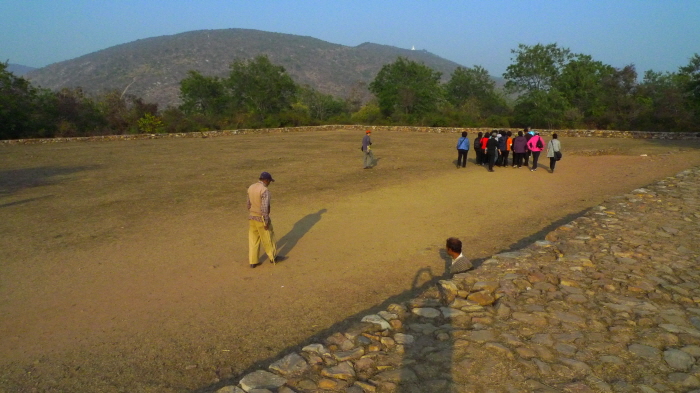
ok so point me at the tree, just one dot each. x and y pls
(407, 87)
(473, 90)
(663, 103)
(542, 109)
(692, 74)
(690, 81)
(17, 98)
(619, 99)
(203, 94)
(260, 86)
(466, 83)
(320, 106)
(535, 68)
(580, 83)
(122, 112)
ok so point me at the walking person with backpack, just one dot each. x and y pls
(553, 152)
(535, 145)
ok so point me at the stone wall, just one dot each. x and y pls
(439, 130)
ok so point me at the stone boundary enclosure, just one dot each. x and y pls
(471, 131)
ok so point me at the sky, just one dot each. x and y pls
(657, 35)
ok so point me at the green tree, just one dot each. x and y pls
(17, 99)
(692, 74)
(320, 106)
(474, 91)
(620, 100)
(663, 103)
(151, 124)
(542, 109)
(535, 68)
(203, 94)
(122, 112)
(580, 83)
(260, 86)
(690, 81)
(407, 87)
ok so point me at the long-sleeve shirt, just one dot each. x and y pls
(519, 144)
(532, 143)
(366, 143)
(463, 143)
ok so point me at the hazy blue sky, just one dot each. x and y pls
(658, 35)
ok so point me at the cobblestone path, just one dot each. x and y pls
(607, 303)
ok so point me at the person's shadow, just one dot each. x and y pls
(300, 228)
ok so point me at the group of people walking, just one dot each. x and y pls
(494, 149)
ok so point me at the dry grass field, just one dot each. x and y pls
(123, 265)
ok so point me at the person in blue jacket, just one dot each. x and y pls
(462, 150)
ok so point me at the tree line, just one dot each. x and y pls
(546, 87)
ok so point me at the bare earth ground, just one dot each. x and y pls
(123, 265)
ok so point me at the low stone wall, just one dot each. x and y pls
(438, 130)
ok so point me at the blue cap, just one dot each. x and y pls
(266, 176)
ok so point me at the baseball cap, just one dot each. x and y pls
(368, 131)
(266, 176)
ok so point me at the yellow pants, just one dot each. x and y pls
(258, 234)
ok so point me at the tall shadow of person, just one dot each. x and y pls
(300, 228)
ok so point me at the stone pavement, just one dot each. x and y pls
(607, 303)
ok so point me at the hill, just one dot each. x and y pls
(19, 69)
(152, 68)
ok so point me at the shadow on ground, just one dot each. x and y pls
(15, 180)
(424, 278)
(287, 242)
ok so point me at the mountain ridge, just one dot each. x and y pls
(151, 68)
(19, 69)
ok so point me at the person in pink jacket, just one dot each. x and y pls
(535, 144)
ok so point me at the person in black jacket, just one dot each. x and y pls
(528, 135)
(492, 150)
(477, 149)
(501, 148)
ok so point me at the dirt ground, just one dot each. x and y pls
(123, 265)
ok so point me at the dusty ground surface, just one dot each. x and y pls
(124, 264)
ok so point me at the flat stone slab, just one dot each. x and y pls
(262, 380)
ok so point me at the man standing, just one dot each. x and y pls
(367, 149)
(460, 263)
(259, 224)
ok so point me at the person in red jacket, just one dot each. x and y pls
(485, 153)
(535, 145)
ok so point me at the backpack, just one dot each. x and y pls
(539, 143)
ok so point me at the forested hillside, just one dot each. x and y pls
(152, 68)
